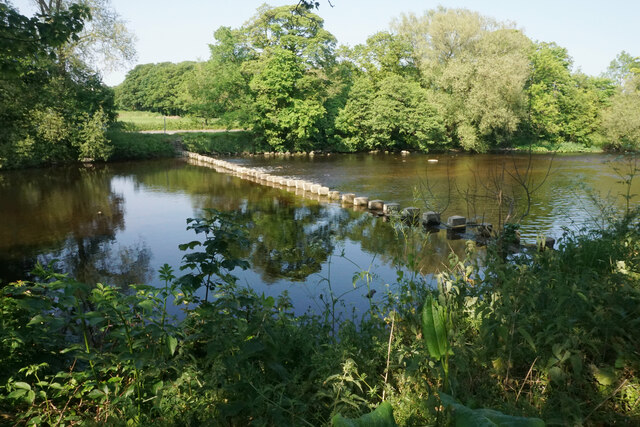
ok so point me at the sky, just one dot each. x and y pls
(593, 32)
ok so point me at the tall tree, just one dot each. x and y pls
(48, 106)
(476, 69)
(624, 68)
(104, 43)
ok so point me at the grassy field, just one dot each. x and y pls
(144, 120)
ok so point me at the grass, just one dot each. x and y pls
(144, 120)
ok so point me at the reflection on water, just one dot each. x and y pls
(119, 223)
(468, 185)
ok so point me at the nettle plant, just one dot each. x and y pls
(212, 266)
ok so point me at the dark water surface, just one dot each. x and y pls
(119, 223)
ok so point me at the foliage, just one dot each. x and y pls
(138, 146)
(47, 103)
(464, 416)
(395, 114)
(91, 141)
(98, 354)
(104, 41)
(564, 107)
(219, 142)
(381, 417)
(449, 79)
(155, 88)
(212, 267)
(23, 39)
(621, 122)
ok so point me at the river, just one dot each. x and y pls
(118, 223)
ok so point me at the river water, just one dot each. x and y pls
(118, 223)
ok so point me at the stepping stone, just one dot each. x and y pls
(390, 208)
(431, 218)
(348, 197)
(456, 221)
(361, 201)
(376, 205)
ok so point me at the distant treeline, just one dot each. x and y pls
(448, 79)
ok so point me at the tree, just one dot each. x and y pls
(476, 69)
(156, 87)
(624, 68)
(219, 88)
(294, 29)
(104, 43)
(394, 113)
(44, 101)
(286, 104)
(563, 106)
(621, 121)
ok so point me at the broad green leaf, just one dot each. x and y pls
(22, 385)
(147, 305)
(16, 394)
(172, 343)
(434, 328)
(382, 416)
(605, 376)
(465, 416)
(36, 320)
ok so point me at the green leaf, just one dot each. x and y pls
(146, 305)
(22, 385)
(172, 343)
(434, 328)
(381, 417)
(605, 376)
(96, 394)
(16, 394)
(527, 338)
(465, 416)
(36, 320)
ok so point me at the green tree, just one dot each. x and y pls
(624, 68)
(563, 106)
(476, 69)
(621, 121)
(394, 113)
(104, 42)
(43, 99)
(219, 88)
(286, 104)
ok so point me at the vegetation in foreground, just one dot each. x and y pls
(550, 335)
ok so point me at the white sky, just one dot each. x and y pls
(594, 32)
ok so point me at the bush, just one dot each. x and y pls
(219, 143)
(138, 146)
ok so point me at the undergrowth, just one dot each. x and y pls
(551, 335)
